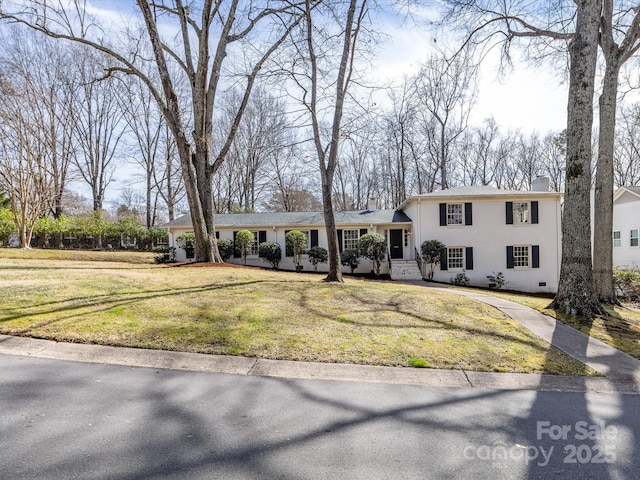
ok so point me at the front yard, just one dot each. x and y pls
(124, 300)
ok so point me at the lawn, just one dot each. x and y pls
(123, 299)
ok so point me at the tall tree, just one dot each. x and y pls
(553, 24)
(315, 74)
(619, 41)
(208, 34)
(446, 88)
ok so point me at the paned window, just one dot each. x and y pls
(350, 239)
(634, 238)
(617, 239)
(455, 214)
(455, 258)
(520, 256)
(520, 212)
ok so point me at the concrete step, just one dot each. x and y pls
(405, 270)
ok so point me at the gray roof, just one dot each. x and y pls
(293, 219)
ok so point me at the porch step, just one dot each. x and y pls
(405, 270)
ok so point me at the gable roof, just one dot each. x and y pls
(293, 219)
(478, 191)
(622, 190)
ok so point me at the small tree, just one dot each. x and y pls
(7, 226)
(374, 247)
(270, 252)
(350, 258)
(244, 241)
(432, 253)
(225, 247)
(296, 241)
(318, 255)
(186, 241)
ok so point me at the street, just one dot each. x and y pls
(66, 420)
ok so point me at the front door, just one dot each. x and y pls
(396, 243)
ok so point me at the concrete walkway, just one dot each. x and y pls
(622, 371)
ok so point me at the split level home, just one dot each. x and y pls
(485, 230)
(626, 228)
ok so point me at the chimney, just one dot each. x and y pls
(540, 184)
(371, 205)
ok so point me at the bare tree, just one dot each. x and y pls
(314, 65)
(562, 26)
(206, 36)
(446, 88)
(619, 42)
(627, 147)
(24, 166)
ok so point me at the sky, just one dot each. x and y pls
(526, 99)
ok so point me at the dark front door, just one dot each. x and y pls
(396, 243)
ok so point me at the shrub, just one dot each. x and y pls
(296, 242)
(374, 247)
(225, 248)
(164, 254)
(318, 255)
(187, 242)
(244, 241)
(350, 258)
(432, 252)
(496, 280)
(460, 279)
(271, 253)
(627, 285)
(7, 227)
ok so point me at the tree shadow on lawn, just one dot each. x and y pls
(105, 302)
(373, 305)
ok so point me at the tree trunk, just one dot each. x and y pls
(575, 291)
(335, 267)
(603, 201)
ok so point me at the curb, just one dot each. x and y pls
(232, 365)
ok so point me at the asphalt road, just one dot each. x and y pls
(66, 420)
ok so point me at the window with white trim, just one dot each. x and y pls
(521, 256)
(633, 240)
(617, 239)
(350, 239)
(520, 212)
(455, 214)
(455, 258)
(254, 245)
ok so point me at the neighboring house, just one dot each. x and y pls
(485, 230)
(272, 227)
(626, 227)
(488, 230)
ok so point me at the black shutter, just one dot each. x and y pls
(468, 254)
(535, 256)
(443, 259)
(314, 238)
(443, 214)
(509, 213)
(262, 236)
(217, 235)
(468, 215)
(340, 241)
(288, 251)
(534, 212)
(236, 250)
(363, 231)
(510, 257)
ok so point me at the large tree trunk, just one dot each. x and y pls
(603, 201)
(335, 267)
(575, 292)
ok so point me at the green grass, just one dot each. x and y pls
(124, 300)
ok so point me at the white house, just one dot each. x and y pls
(626, 225)
(485, 230)
(488, 230)
(272, 227)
